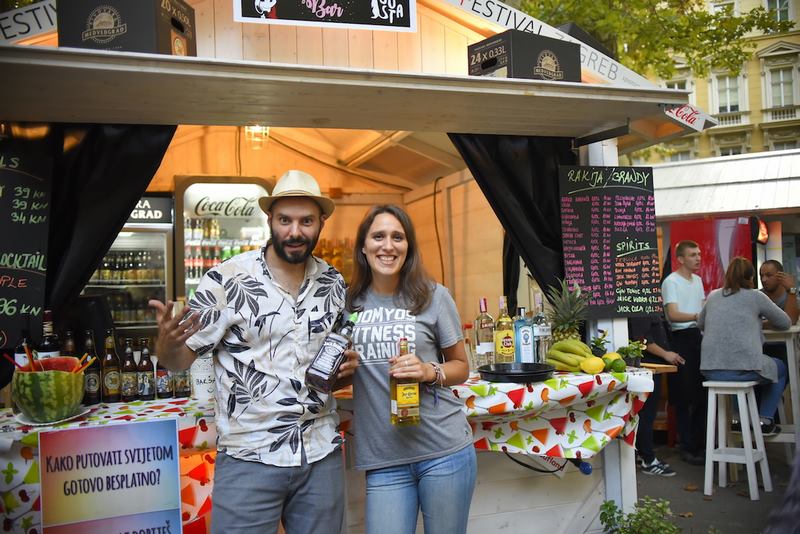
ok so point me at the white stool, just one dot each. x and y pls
(748, 415)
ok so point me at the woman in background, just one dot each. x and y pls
(432, 465)
(732, 340)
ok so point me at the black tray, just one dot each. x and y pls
(521, 373)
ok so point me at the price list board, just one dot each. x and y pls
(24, 215)
(608, 224)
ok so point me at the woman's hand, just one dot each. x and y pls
(348, 367)
(673, 358)
(409, 366)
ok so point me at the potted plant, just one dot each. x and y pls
(598, 343)
(632, 353)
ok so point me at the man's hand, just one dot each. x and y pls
(348, 367)
(673, 357)
(173, 332)
(786, 280)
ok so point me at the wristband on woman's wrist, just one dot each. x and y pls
(439, 376)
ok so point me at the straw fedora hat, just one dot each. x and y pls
(298, 184)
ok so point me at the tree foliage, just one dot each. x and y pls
(648, 35)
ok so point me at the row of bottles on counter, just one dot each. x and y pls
(338, 253)
(128, 309)
(523, 338)
(130, 267)
(199, 257)
(198, 229)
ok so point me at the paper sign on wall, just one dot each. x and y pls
(115, 478)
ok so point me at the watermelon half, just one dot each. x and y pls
(50, 391)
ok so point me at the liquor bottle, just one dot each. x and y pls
(111, 369)
(20, 354)
(541, 330)
(68, 348)
(50, 347)
(503, 335)
(163, 381)
(523, 337)
(182, 383)
(468, 343)
(321, 374)
(129, 381)
(484, 335)
(92, 374)
(145, 372)
(404, 396)
(187, 229)
(203, 379)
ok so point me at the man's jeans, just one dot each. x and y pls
(771, 392)
(442, 487)
(254, 497)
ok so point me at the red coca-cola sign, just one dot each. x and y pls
(690, 116)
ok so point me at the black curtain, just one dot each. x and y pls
(519, 177)
(99, 175)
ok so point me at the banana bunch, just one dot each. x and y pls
(568, 354)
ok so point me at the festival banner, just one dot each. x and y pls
(116, 478)
(391, 15)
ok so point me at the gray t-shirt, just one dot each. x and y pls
(443, 428)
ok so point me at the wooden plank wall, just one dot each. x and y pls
(439, 46)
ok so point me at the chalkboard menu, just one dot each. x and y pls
(608, 224)
(24, 212)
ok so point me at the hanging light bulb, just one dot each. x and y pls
(257, 135)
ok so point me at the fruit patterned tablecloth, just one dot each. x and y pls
(19, 458)
(568, 416)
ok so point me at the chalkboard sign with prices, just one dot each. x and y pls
(608, 224)
(25, 174)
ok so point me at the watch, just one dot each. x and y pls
(793, 291)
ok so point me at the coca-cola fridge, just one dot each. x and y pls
(217, 217)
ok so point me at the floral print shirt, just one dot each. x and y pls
(263, 340)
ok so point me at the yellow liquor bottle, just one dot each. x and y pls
(504, 335)
(404, 394)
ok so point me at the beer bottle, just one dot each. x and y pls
(182, 383)
(68, 348)
(404, 395)
(321, 374)
(163, 381)
(129, 382)
(111, 368)
(147, 379)
(91, 375)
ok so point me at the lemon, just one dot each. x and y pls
(612, 356)
(618, 366)
(592, 365)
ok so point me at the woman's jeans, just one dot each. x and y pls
(442, 487)
(771, 392)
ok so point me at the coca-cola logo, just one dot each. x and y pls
(688, 115)
(234, 207)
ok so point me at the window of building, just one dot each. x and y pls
(781, 9)
(781, 87)
(784, 145)
(730, 150)
(676, 84)
(727, 94)
(719, 6)
(683, 155)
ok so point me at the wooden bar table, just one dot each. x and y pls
(791, 337)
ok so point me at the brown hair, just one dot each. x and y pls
(415, 284)
(739, 275)
(683, 245)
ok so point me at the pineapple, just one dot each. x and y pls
(568, 311)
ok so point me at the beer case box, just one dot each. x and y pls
(154, 26)
(517, 54)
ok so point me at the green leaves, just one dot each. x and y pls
(648, 35)
(649, 515)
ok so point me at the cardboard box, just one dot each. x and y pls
(155, 26)
(516, 54)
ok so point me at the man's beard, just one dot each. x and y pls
(294, 257)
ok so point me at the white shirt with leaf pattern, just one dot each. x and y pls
(263, 340)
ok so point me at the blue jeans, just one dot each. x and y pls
(771, 392)
(254, 497)
(442, 487)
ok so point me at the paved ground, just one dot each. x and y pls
(730, 510)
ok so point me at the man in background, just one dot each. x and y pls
(684, 297)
